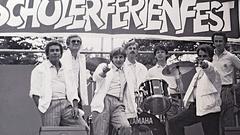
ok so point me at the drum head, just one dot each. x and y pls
(157, 104)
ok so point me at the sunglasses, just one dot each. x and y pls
(76, 41)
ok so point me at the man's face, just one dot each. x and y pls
(132, 50)
(219, 42)
(54, 53)
(75, 43)
(161, 55)
(203, 56)
(118, 60)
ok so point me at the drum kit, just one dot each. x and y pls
(157, 102)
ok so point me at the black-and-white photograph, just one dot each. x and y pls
(119, 67)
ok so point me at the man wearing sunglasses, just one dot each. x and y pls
(76, 62)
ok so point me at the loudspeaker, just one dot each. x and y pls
(62, 130)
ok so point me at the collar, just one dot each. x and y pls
(129, 63)
(159, 66)
(115, 68)
(223, 53)
(50, 65)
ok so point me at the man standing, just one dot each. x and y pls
(161, 54)
(135, 69)
(225, 62)
(53, 92)
(76, 62)
(202, 99)
(110, 95)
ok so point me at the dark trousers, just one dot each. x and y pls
(210, 122)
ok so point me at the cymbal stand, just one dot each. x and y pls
(180, 87)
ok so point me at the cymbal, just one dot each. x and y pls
(178, 68)
(92, 63)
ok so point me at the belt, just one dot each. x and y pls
(227, 85)
(63, 98)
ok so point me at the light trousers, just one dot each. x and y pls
(113, 113)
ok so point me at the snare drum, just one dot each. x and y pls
(156, 98)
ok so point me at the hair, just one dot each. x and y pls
(206, 48)
(70, 37)
(52, 43)
(129, 43)
(118, 51)
(219, 34)
(160, 47)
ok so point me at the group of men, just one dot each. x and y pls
(59, 84)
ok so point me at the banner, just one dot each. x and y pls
(176, 18)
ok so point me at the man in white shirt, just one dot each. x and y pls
(76, 62)
(53, 92)
(202, 99)
(225, 62)
(135, 69)
(161, 54)
(109, 102)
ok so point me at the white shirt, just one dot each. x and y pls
(41, 78)
(76, 68)
(67, 61)
(156, 73)
(225, 64)
(117, 82)
(58, 83)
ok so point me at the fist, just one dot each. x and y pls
(106, 69)
(203, 64)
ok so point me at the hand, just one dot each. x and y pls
(106, 69)
(75, 113)
(203, 64)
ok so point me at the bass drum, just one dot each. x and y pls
(155, 97)
(147, 124)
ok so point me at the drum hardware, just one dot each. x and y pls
(178, 69)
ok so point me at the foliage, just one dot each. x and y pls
(26, 43)
(172, 45)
